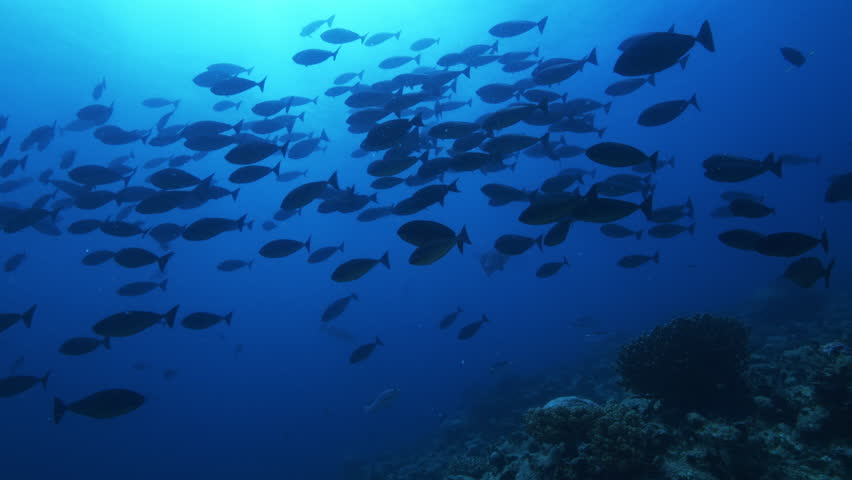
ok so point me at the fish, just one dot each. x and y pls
(379, 38)
(630, 85)
(383, 401)
(252, 173)
(613, 154)
(307, 193)
(789, 244)
(312, 27)
(517, 27)
(158, 102)
(468, 331)
(134, 289)
(113, 135)
(132, 322)
(499, 195)
(613, 230)
(224, 105)
(732, 168)
(16, 385)
(322, 254)
(337, 307)
(347, 77)
(373, 214)
(670, 230)
(101, 405)
(731, 195)
(424, 43)
(139, 257)
(172, 179)
(550, 269)
(747, 208)
(665, 112)
(805, 272)
(9, 319)
(314, 56)
(654, 52)
(364, 351)
(234, 265)
(234, 85)
(840, 189)
(450, 318)
(635, 261)
(284, 248)
(510, 244)
(741, 239)
(98, 89)
(96, 175)
(356, 268)
(205, 320)
(83, 345)
(339, 36)
(795, 57)
(14, 262)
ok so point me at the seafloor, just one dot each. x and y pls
(762, 393)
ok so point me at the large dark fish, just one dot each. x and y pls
(16, 385)
(83, 345)
(654, 52)
(284, 248)
(789, 244)
(132, 322)
(207, 228)
(101, 405)
(517, 27)
(205, 320)
(665, 112)
(139, 257)
(804, 272)
(234, 85)
(314, 56)
(9, 319)
(356, 268)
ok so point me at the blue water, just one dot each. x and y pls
(290, 405)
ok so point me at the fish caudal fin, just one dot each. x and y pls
(59, 410)
(705, 37)
(27, 317)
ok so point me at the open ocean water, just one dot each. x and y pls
(276, 392)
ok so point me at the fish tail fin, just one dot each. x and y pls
(656, 257)
(828, 270)
(385, 260)
(691, 230)
(334, 56)
(379, 341)
(538, 241)
(398, 34)
(284, 149)
(770, 164)
(647, 206)
(454, 186)
(27, 317)
(308, 244)
(601, 132)
(466, 72)
(238, 126)
(690, 207)
(162, 261)
(545, 139)
(694, 102)
(824, 240)
(654, 161)
(128, 177)
(241, 222)
(361, 75)
(249, 70)
(237, 107)
(639, 234)
(333, 181)
(542, 105)
(228, 318)
(277, 169)
(107, 343)
(462, 239)
(164, 284)
(341, 246)
(683, 61)
(23, 162)
(59, 410)
(653, 80)
(593, 57)
(330, 20)
(495, 46)
(672, 162)
(324, 136)
(705, 37)
(485, 318)
(607, 107)
(169, 317)
(261, 85)
(541, 24)
(354, 296)
(44, 380)
(417, 120)
(417, 59)
(235, 193)
(374, 197)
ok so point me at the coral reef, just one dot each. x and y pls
(796, 427)
(689, 363)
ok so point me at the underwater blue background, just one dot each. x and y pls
(289, 405)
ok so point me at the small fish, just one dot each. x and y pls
(101, 405)
(13, 262)
(450, 318)
(205, 320)
(468, 331)
(634, 261)
(337, 307)
(664, 112)
(364, 351)
(550, 269)
(354, 269)
(795, 57)
(134, 289)
(83, 345)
